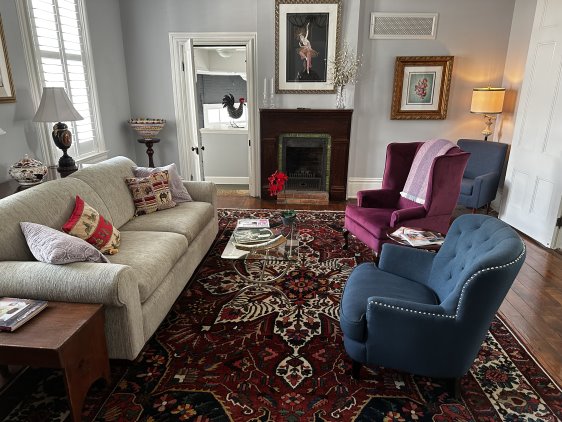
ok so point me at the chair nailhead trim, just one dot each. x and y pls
(472, 277)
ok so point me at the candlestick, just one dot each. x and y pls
(272, 86)
(265, 103)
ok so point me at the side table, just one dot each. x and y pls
(69, 336)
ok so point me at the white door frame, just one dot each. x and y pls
(184, 97)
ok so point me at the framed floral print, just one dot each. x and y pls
(7, 93)
(421, 87)
(306, 39)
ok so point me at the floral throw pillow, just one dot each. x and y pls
(87, 224)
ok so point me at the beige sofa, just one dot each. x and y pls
(158, 254)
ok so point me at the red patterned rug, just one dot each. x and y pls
(257, 360)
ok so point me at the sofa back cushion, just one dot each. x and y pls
(50, 204)
(108, 180)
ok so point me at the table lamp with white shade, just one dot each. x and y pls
(55, 106)
(489, 102)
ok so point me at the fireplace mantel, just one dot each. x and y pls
(336, 123)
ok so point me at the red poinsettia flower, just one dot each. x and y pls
(277, 182)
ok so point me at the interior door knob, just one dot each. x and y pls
(196, 150)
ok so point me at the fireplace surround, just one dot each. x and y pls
(318, 138)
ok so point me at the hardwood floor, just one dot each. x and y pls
(532, 308)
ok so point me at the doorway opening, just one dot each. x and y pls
(211, 72)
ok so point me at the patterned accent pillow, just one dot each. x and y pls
(161, 187)
(179, 192)
(55, 247)
(87, 224)
(143, 195)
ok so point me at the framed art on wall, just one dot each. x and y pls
(7, 93)
(421, 87)
(306, 39)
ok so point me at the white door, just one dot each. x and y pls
(195, 148)
(534, 175)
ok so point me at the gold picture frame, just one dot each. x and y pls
(421, 87)
(307, 34)
(7, 92)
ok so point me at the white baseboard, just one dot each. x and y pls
(220, 180)
(355, 184)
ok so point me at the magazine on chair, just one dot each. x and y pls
(15, 312)
(419, 237)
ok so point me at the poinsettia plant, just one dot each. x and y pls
(277, 182)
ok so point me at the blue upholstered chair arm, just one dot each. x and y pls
(403, 309)
(485, 187)
(410, 263)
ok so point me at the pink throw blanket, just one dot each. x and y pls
(415, 188)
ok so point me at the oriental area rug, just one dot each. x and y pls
(213, 359)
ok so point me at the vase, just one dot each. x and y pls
(340, 97)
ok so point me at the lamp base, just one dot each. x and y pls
(67, 165)
(488, 121)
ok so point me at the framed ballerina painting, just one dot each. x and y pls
(421, 87)
(306, 39)
(7, 93)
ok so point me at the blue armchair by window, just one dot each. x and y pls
(482, 174)
(428, 313)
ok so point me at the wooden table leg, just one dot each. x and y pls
(85, 360)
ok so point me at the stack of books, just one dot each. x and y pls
(15, 312)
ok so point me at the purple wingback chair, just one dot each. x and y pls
(378, 210)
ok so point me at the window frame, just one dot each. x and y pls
(33, 62)
(221, 125)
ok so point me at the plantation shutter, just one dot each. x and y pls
(58, 38)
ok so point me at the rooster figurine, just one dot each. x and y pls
(234, 113)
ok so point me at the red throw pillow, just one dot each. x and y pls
(87, 224)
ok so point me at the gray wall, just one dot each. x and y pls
(475, 32)
(107, 48)
(146, 25)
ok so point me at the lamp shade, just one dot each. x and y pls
(487, 100)
(55, 106)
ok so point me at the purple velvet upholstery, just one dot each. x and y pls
(378, 210)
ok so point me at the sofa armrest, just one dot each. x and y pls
(84, 282)
(202, 191)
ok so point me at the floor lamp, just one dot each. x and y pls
(489, 102)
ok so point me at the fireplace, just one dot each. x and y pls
(312, 146)
(305, 158)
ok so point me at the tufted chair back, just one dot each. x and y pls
(476, 265)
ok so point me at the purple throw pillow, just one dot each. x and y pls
(55, 247)
(179, 192)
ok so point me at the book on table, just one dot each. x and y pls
(15, 312)
(418, 237)
(253, 223)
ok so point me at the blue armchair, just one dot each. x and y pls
(428, 313)
(482, 174)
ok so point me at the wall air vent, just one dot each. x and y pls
(403, 26)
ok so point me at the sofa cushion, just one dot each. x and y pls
(55, 247)
(151, 255)
(108, 180)
(49, 204)
(187, 218)
(88, 224)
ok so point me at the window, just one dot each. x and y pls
(58, 55)
(215, 116)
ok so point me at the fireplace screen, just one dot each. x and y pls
(305, 158)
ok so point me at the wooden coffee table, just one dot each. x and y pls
(69, 336)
